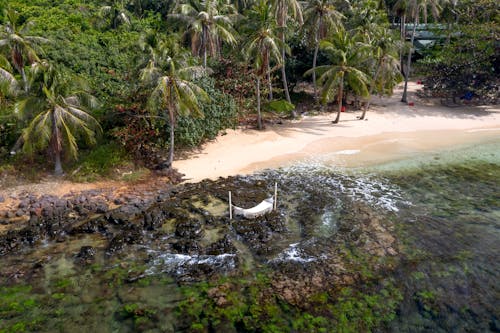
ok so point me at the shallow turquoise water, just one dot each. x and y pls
(445, 208)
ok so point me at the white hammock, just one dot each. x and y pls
(264, 207)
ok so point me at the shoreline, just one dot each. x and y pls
(392, 131)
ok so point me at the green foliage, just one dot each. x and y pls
(219, 113)
(468, 63)
(281, 106)
(100, 161)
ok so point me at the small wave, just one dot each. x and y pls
(373, 189)
(293, 253)
(347, 152)
(483, 130)
(181, 264)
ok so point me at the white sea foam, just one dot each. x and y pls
(293, 253)
(347, 152)
(181, 264)
(360, 186)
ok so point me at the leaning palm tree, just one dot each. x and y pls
(321, 17)
(175, 93)
(208, 23)
(386, 67)
(344, 54)
(263, 45)
(22, 48)
(283, 10)
(60, 117)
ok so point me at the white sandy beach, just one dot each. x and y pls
(392, 131)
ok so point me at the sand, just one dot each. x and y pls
(392, 131)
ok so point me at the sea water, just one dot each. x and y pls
(444, 207)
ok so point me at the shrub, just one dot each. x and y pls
(220, 113)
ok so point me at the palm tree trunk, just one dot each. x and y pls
(259, 119)
(204, 33)
(25, 80)
(58, 171)
(404, 98)
(315, 58)
(171, 148)
(372, 86)
(56, 146)
(269, 79)
(403, 39)
(283, 70)
(339, 98)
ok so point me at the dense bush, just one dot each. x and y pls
(468, 64)
(220, 113)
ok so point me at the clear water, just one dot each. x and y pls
(445, 211)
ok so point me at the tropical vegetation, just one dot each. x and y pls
(142, 75)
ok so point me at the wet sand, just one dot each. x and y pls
(392, 131)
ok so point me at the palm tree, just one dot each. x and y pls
(175, 93)
(262, 46)
(8, 83)
(344, 54)
(414, 8)
(21, 47)
(117, 13)
(283, 9)
(61, 117)
(387, 71)
(321, 17)
(208, 22)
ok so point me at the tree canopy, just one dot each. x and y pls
(110, 45)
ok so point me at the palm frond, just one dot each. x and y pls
(8, 82)
(71, 145)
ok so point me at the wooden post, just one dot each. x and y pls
(230, 207)
(275, 201)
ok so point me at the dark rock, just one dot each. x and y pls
(187, 247)
(101, 208)
(130, 235)
(2, 199)
(153, 218)
(61, 238)
(222, 246)
(189, 229)
(86, 255)
(90, 226)
(81, 199)
(116, 244)
(23, 204)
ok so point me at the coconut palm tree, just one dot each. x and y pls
(117, 13)
(60, 117)
(344, 52)
(321, 17)
(8, 83)
(386, 67)
(415, 9)
(262, 46)
(208, 22)
(22, 48)
(175, 92)
(283, 10)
